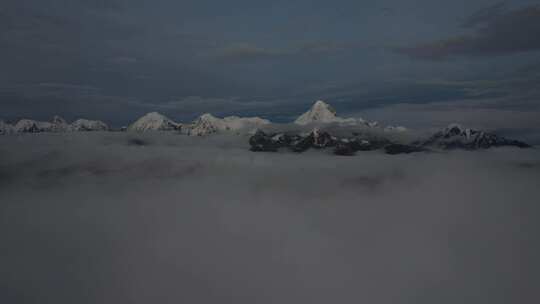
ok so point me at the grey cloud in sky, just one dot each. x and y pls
(486, 14)
(243, 52)
(497, 33)
(248, 52)
(141, 55)
(326, 47)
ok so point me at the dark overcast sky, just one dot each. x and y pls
(117, 59)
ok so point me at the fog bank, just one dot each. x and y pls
(164, 218)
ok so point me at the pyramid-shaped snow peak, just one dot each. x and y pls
(320, 112)
(153, 122)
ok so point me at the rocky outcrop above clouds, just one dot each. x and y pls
(452, 137)
(315, 139)
(457, 137)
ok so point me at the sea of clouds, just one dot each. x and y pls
(164, 218)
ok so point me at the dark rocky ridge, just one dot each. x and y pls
(452, 137)
(317, 139)
(457, 137)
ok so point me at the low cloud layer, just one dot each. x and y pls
(139, 218)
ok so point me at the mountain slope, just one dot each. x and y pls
(26, 126)
(88, 125)
(208, 124)
(153, 122)
(5, 128)
(57, 124)
(322, 113)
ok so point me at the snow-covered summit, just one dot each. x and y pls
(321, 112)
(88, 125)
(208, 124)
(26, 126)
(237, 123)
(58, 120)
(57, 124)
(153, 122)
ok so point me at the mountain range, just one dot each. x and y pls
(57, 124)
(320, 127)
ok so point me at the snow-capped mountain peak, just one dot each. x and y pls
(58, 120)
(88, 125)
(208, 124)
(57, 124)
(26, 126)
(205, 124)
(320, 112)
(208, 116)
(320, 105)
(153, 121)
